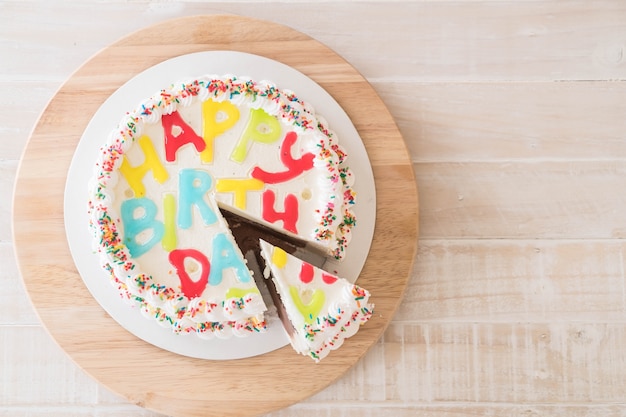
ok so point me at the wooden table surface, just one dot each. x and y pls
(103, 348)
(513, 113)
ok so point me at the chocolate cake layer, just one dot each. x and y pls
(247, 234)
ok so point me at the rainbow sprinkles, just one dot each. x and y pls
(164, 172)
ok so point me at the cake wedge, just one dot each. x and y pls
(323, 309)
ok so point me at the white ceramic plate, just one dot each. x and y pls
(144, 85)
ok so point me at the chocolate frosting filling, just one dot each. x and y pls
(247, 234)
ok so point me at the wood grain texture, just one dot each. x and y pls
(515, 110)
(522, 200)
(573, 362)
(531, 122)
(7, 175)
(434, 41)
(526, 281)
(15, 307)
(200, 387)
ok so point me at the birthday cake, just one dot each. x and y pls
(185, 154)
(320, 309)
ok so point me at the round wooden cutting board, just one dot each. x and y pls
(146, 375)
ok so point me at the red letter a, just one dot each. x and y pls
(178, 133)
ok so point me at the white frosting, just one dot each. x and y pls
(149, 280)
(344, 308)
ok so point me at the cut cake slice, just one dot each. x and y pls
(323, 309)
